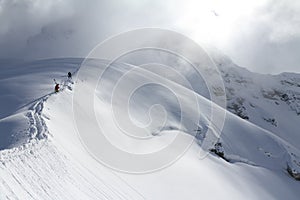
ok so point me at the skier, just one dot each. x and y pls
(69, 75)
(56, 88)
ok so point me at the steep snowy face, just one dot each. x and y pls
(153, 112)
(269, 101)
(134, 106)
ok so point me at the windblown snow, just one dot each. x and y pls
(42, 156)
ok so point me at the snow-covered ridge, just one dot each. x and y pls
(32, 164)
(46, 159)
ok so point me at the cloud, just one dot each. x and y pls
(269, 40)
(38, 28)
(283, 17)
(20, 19)
(261, 35)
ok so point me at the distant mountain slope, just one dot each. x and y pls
(269, 101)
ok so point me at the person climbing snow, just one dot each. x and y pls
(56, 88)
(69, 75)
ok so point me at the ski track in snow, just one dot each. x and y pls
(38, 170)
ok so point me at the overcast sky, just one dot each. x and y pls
(261, 35)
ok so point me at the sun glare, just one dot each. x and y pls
(215, 21)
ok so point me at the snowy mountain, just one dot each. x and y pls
(42, 157)
(271, 102)
(265, 100)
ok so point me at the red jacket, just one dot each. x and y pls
(56, 87)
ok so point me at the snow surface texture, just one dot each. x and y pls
(42, 156)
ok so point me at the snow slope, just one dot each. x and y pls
(42, 156)
(269, 101)
(36, 166)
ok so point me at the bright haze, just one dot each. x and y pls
(261, 35)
